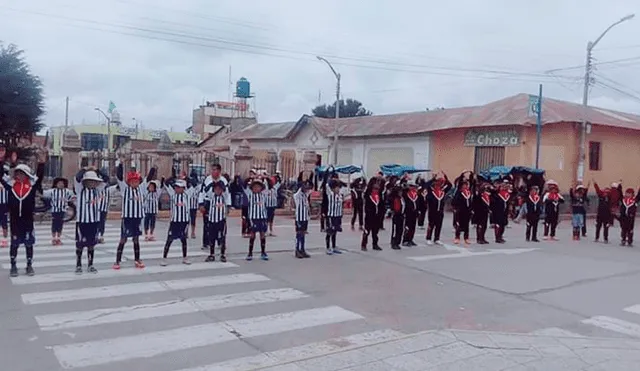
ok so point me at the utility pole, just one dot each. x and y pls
(538, 126)
(66, 114)
(585, 97)
(335, 124)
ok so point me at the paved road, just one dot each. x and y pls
(245, 315)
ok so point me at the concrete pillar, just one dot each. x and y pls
(164, 154)
(271, 161)
(70, 154)
(308, 163)
(243, 159)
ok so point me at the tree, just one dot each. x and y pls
(21, 100)
(350, 108)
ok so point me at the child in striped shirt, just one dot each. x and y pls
(179, 224)
(104, 203)
(271, 200)
(301, 200)
(4, 221)
(59, 197)
(88, 186)
(333, 224)
(151, 198)
(193, 191)
(256, 216)
(132, 191)
(217, 218)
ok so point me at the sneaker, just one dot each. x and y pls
(336, 251)
(249, 258)
(298, 253)
(92, 269)
(429, 242)
(395, 247)
(455, 241)
(377, 248)
(329, 252)
(101, 240)
(139, 264)
(30, 271)
(305, 255)
(146, 237)
(116, 266)
(186, 261)
(467, 242)
(264, 257)
(79, 269)
(4, 243)
(438, 242)
(210, 259)
(14, 271)
(152, 237)
(223, 258)
(163, 263)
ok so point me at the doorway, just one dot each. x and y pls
(488, 157)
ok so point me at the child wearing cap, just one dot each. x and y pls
(132, 190)
(628, 208)
(272, 185)
(59, 197)
(437, 188)
(151, 198)
(334, 199)
(534, 210)
(179, 224)
(217, 218)
(463, 204)
(256, 216)
(551, 201)
(88, 185)
(21, 199)
(604, 217)
(104, 204)
(578, 209)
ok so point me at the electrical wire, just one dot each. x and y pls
(615, 61)
(620, 91)
(270, 51)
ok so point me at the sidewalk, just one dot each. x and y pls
(471, 350)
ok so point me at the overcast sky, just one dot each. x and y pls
(157, 60)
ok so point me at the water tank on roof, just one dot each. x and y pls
(243, 88)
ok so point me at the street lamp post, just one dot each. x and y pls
(335, 125)
(585, 96)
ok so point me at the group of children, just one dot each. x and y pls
(474, 201)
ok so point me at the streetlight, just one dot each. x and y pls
(585, 95)
(108, 128)
(335, 125)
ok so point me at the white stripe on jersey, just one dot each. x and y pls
(271, 198)
(105, 199)
(217, 208)
(151, 202)
(302, 206)
(193, 193)
(3, 195)
(132, 201)
(88, 210)
(59, 199)
(334, 208)
(180, 207)
(257, 207)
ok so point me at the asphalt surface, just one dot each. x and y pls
(183, 317)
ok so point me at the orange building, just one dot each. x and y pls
(504, 133)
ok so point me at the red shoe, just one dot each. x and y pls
(116, 266)
(139, 264)
(3, 243)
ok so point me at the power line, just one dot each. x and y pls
(621, 86)
(236, 45)
(627, 94)
(594, 64)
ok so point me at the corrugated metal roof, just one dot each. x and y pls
(278, 130)
(510, 111)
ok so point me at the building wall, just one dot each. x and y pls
(620, 149)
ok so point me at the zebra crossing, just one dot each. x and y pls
(601, 326)
(198, 317)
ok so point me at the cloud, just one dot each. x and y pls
(158, 60)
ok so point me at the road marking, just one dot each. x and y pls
(51, 322)
(556, 332)
(467, 254)
(633, 309)
(54, 255)
(271, 359)
(71, 262)
(162, 342)
(614, 324)
(138, 288)
(108, 273)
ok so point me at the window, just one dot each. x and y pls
(595, 156)
(488, 157)
(93, 142)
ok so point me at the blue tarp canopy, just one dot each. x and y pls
(399, 170)
(340, 169)
(497, 172)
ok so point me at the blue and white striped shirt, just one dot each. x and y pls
(217, 208)
(271, 195)
(88, 202)
(302, 206)
(59, 198)
(151, 200)
(334, 208)
(179, 205)
(257, 206)
(194, 196)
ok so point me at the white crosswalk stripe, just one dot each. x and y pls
(555, 332)
(194, 317)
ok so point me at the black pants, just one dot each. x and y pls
(357, 212)
(373, 231)
(455, 220)
(217, 233)
(90, 253)
(499, 232)
(13, 253)
(409, 227)
(57, 221)
(323, 217)
(103, 222)
(149, 222)
(422, 214)
(532, 228)
(584, 225)
(462, 225)
(167, 246)
(550, 225)
(136, 249)
(397, 229)
(245, 220)
(602, 224)
(435, 225)
(206, 241)
(626, 225)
